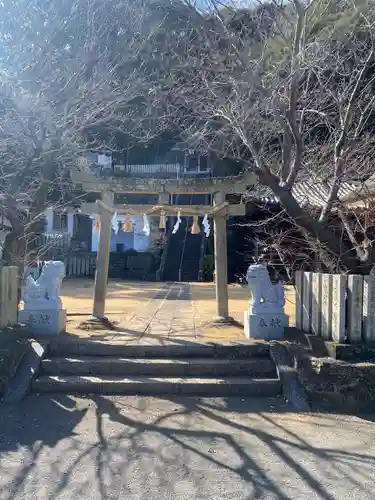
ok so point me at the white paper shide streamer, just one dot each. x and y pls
(115, 223)
(177, 225)
(146, 226)
(206, 226)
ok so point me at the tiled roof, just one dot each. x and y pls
(310, 193)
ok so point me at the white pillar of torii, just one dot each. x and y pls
(219, 212)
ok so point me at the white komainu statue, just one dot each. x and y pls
(45, 291)
(266, 298)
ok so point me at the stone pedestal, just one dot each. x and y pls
(265, 318)
(48, 322)
(265, 326)
(43, 312)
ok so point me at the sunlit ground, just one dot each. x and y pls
(155, 310)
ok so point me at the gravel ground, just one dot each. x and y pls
(133, 448)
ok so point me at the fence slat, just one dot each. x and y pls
(326, 319)
(12, 295)
(369, 309)
(338, 307)
(355, 303)
(299, 291)
(71, 266)
(306, 302)
(4, 296)
(93, 266)
(316, 303)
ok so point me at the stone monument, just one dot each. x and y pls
(43, 311)
(265, 318)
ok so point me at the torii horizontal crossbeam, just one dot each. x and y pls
(231, 184)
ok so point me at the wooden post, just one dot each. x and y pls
(316, 303)
(338, 307)
(326, 321)
(306, 306)
(355, 308)
(299, 297)
(13, 295)
(221, 266)
(102, 259)
(369, 309)
(221, 260)
(4, 296)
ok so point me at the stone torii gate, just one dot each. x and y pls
(218, 188)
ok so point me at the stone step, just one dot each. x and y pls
(168, 350)
(150, 386)
(109, 365)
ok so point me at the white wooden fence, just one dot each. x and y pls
(8, 296)
(75, 266)
(80, 265)
(337, 307)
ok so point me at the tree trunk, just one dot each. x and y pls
(330, 243)
(14, 249)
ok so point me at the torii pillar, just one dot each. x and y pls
(221, 260)
(102, 259)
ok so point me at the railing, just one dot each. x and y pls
(336, 307)
(48, 241)
(164, 255)
(164, 170)
(202, 256)
(152, 169)
(157, 168)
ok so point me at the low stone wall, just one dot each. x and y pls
(12, 350)
(339, 385)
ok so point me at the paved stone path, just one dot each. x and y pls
(155, 312)
(165, 312)
(110, 448)
(170, 314)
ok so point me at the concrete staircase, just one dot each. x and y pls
(190, 261)
(190, 369)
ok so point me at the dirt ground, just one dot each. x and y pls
(159, 311)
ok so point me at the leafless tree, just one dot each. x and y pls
(286, 88)
(64, 89)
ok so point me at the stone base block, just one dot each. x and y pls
(265, 326)
(47, 322)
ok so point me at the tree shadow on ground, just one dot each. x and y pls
(146, 448)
